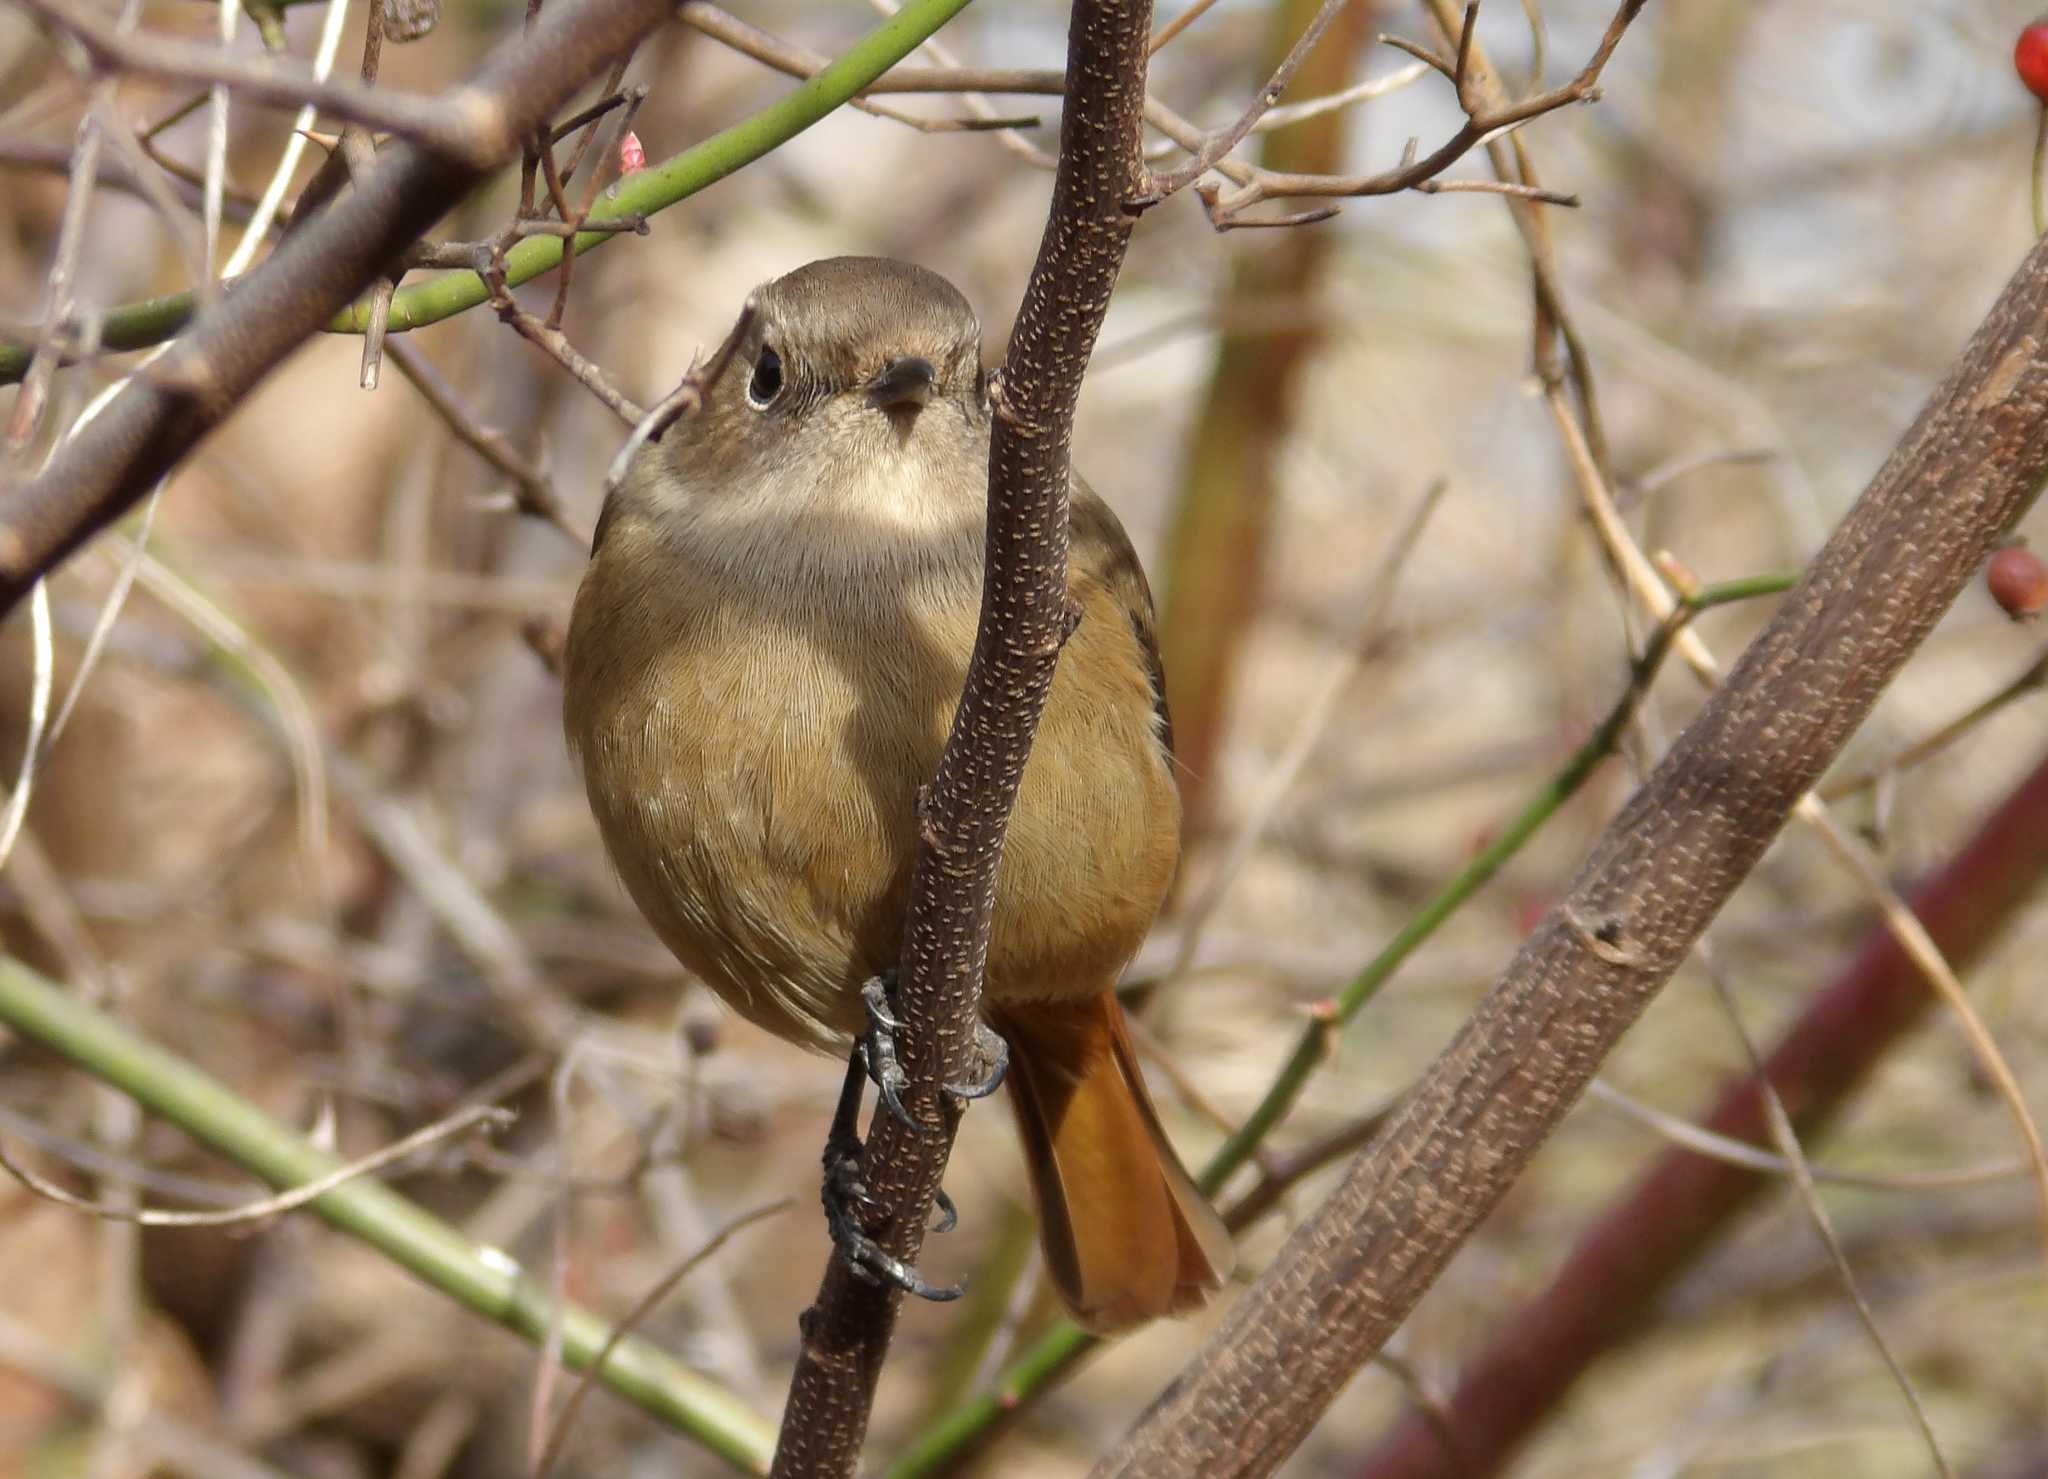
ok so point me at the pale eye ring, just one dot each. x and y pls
(767, 381)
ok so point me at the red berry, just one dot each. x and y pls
(2018, 581)
(632, 156)
(2030, 58)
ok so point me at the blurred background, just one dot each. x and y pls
(312, 823)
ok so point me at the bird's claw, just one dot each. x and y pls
(994, 1050)
(877, 1047)
(843, 1190)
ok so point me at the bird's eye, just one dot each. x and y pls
(767, 381)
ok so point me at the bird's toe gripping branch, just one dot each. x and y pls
(846, 1195)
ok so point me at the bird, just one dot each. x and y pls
(761, 669)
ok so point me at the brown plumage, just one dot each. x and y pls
(761, 669)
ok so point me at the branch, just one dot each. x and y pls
(167, 409)
(1609, 1286)
(1343, 1283)
(1025, 618)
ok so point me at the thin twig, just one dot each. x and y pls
(2032, 679)
(273, 1206)
(467, 128)
(534, 491)
(1787, 1140)
(637, 1316)
(795, 61)
(1487, 117)
(550, 340)
(685, 400)
(59, 282)
(1733, 1152)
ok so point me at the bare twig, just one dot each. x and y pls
(273, 1206)
(467, 128)
(535, 492)
(982, 110)
(1195, 11)
(546, 337)
(2030, 679)
(796, 61)
(84, 174)
(685, 400)
(1285, 1172)
(1487, 117)
(1748, 1157)
(637, 1316)
(1786, 1138)
(359, 153)
(1223, 140)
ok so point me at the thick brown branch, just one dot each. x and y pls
(1024, 620)
(1610, 1285)
(152, 424)
(1347, 1278)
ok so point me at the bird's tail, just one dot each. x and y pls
(1127, 1234)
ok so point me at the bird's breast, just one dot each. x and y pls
(753, 752)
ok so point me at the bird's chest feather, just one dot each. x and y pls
(754, 774)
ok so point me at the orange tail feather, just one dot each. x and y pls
(1127, 1234)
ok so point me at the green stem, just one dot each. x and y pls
(484, 1280)
(642, 193)
(935, 1450)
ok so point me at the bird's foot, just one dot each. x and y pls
(845, 1195)
(877, 1047)
(993, 1049)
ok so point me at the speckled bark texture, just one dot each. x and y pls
(1345, 1280)
(313, 275)
(1611, 1285)
(1024, 621)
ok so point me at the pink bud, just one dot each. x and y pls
(632, 155)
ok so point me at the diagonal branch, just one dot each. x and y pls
(1609, 1286)
(167, 409)
(1025, 618)
(1969, 466)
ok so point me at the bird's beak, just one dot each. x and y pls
(905, 381)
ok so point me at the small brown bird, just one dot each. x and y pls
(761, 670)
